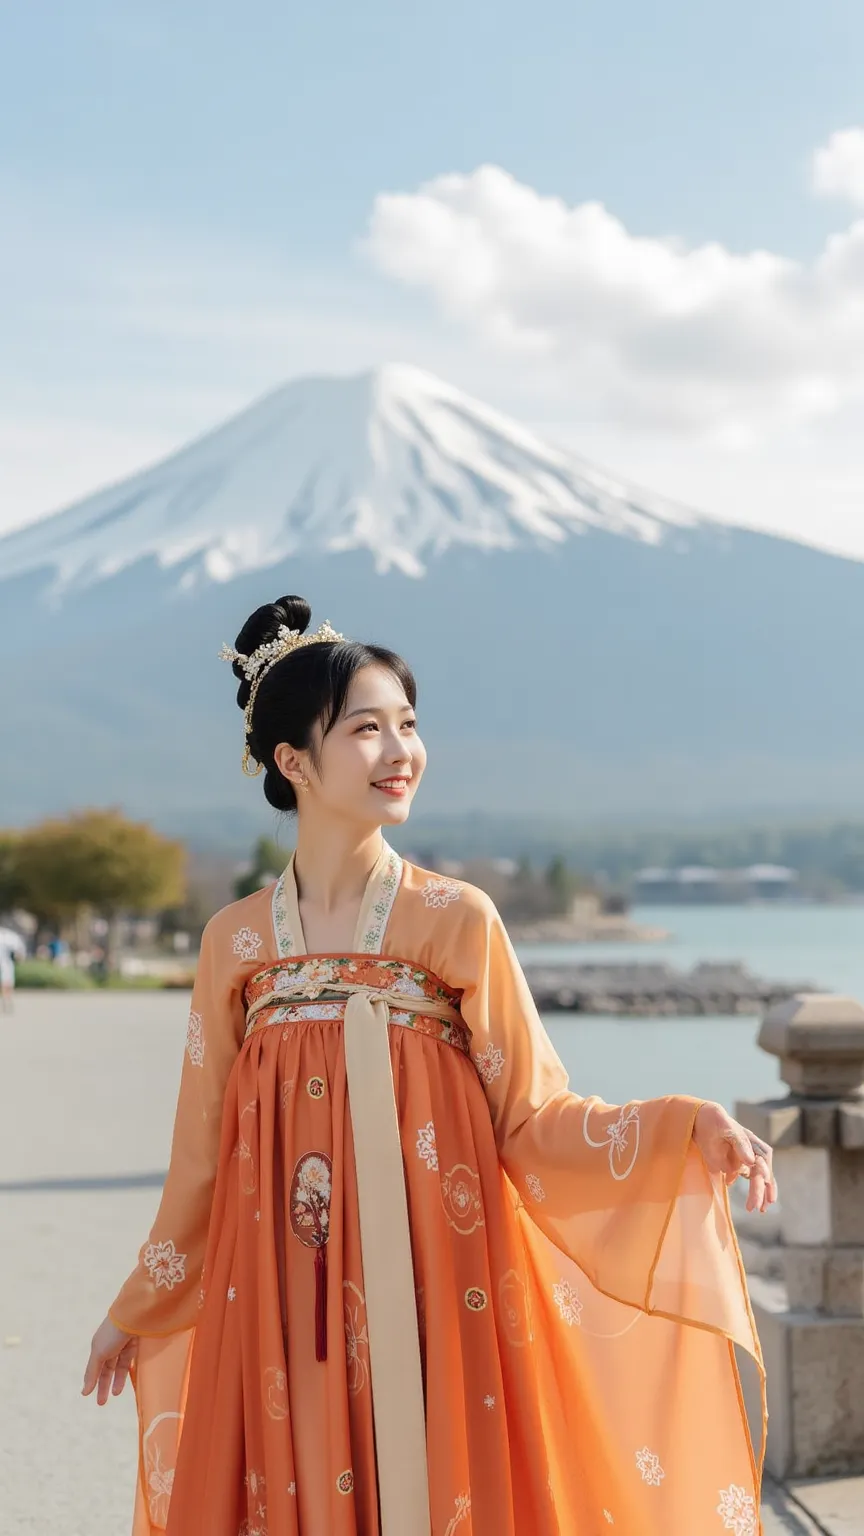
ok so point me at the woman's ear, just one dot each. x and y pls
(288, 761)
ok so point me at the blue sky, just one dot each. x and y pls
(185, 193)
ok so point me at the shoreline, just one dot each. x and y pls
(594, 930)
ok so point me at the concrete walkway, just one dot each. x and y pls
(821, 1507)
(87, 1088)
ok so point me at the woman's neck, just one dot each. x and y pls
(333, 863)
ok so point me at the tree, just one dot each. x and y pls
(11, 884)
(560, 884)
(268, 862)
(99, 860)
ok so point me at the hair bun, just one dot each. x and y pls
(263, 625)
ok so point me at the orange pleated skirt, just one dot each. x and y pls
(278, 1430)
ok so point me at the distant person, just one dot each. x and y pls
(99, 964)
(423, 1288)
(12, 947)
(58, 949)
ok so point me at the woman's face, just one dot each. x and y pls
(371, 762)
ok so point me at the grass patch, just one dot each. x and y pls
(60, 978)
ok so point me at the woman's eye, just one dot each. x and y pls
(410, 724)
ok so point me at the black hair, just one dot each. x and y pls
(308, 686)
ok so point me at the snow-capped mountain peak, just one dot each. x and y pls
(393, 461)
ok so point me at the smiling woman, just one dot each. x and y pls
(294, 688)
(403, 1281)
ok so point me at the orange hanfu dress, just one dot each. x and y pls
(402, 1280)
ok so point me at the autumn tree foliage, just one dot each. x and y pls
(99, 861)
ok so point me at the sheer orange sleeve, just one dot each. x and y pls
(599, 1180)
(161, 1295)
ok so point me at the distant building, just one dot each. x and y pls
(703, 883)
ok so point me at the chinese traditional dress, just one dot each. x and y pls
(402, 1279)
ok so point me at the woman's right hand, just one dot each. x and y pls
(111, 1354)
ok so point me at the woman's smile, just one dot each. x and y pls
(397, 786)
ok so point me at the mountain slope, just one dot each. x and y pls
(580, 650)
(392, 462)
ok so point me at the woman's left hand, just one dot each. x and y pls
(730, 1149)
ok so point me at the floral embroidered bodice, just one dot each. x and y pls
(318, 987)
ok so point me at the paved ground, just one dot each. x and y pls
(87, 1087)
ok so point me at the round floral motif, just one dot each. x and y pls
(427, 1149)
(462, 1200)
(165, 1265)
(315, 1087)
(567, 1301)
(276, 1392)
(489, 1062)
(310, 1199)
(622, 1157)
(345, 1481)
(195, 1040)
(737, 1510)
(246, 944)
(534, 1187)
(650, 1468)
(439, 893)
(476, 1299)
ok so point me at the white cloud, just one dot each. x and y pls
(632, 329)
(838, 167)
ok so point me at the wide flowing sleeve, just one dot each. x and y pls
(161, 1295)
(601, 1181)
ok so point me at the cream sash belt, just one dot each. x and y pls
(385, 1239)
(388, 1272)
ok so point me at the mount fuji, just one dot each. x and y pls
(394, 463)
(581, 647)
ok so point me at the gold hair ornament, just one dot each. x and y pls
(256, 667)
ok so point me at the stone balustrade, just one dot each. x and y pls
(812, 1323)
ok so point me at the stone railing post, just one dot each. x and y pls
(812, 1329)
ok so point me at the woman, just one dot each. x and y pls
(401, 1279)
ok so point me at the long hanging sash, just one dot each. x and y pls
(385, 1240)
(388, 1274)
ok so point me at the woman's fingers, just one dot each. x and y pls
(112, 1354)
(91, 1373)
(761, 1185)
(106, 1376)
(122, 1368)
(741, 1151)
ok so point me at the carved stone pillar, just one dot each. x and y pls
(812, 1327)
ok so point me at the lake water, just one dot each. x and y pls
(714, 1058)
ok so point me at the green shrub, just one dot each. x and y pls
(41, 973)
(143, 983)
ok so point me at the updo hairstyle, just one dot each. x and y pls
(309, 685)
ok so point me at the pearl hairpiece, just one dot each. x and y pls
(256, 667)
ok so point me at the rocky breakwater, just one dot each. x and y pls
(633, 988)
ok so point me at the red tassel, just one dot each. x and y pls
(321, 1303)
